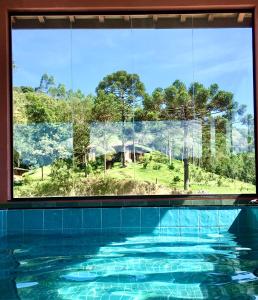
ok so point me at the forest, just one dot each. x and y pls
(122, 140)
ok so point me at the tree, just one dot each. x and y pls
(248, 120)
(45, 83)
(179, 106)
(19, 107)
(128, 89)
(194, 103)
(27, 89)
(57, 92)
(39, 145)
(106, 109)
(81, 116)
(38, 109)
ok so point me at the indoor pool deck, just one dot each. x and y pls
(176, 220)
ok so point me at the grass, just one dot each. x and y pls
(201, 182)
(210, 183)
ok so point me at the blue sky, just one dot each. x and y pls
(81, 58)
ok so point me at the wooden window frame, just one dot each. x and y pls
(37, 7)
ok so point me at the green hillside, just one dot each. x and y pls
(142, 178)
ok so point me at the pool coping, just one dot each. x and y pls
(133, 202)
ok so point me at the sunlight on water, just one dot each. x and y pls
(131, 267)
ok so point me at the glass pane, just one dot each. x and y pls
(224, 103)
(162, 59)
(156, 104)
(42, 116)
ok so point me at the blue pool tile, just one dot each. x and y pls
(53, 219)
(34, 232)
(149, 230)
(15, 232)
(223, 229)
(169, 217)
(1, 221)
(70, 231)
(209, 230)
(150, 217)
(243, 221)
(52, 231)
(111, 217)
(33, 219)
(253, 217)
(4, 220)
(189, 217)
(130, 230)
(189, 231)
(79, 231)
(93, 231)
(72, 218)
(113, 230)
(130, 217)
(209, 217)
(228, 216)
(92, 218)
(15, 220)
(167, 231)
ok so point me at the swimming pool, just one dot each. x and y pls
(169, 253)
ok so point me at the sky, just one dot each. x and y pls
(80, 58)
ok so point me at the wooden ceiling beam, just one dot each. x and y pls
(101, 19)
(240, 17)
(72, 19)
(155, 18)
(210, 17)
(41, 19)
(126, 18)
(182, 18)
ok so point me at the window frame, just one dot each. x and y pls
(10, 8)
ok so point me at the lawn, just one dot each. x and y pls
(201, 181)
(169, 180)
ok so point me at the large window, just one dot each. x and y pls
(144, 104)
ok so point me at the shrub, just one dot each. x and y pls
(219, 182)
(61, 176)
(88, 169)
(158, 157)
(171, 167)
(176, 179)
(112, 186)
(156, 167)
(145, 163)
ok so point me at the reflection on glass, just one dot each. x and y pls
(42, 145)
(133, 105)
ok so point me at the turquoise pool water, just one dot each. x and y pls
(129, 266)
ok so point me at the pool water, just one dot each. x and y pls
(127, 266)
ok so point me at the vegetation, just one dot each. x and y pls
(126, 141)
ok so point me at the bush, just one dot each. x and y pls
(61, 176)
(145, 163)
(235, 166)
(176, 179)
(158, 157)
(88, 169)
(219, 182)
(111, 186)
(171, 167)
(156, 167)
